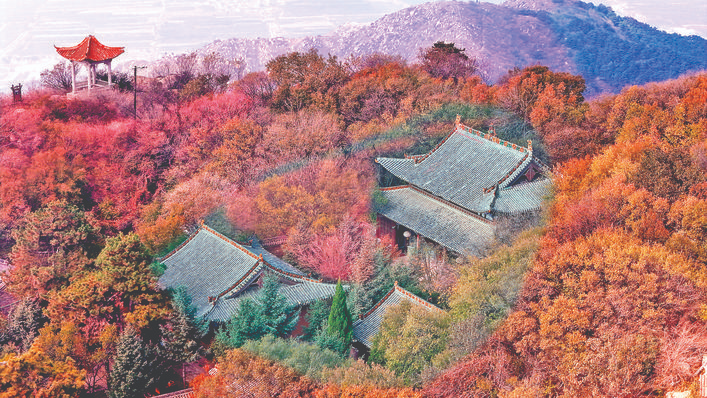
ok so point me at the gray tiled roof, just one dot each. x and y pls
(210, 265)
(187, 393)
(365, 329)
(207, 265)
(464, 168)
(522, 197)
(446, 224)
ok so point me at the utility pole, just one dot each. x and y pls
(135, 68)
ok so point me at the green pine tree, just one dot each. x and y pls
(330, 341)
(135, 367)
(246, 324)
(182, 303)
(317, 315)
(270, 314)
(23, 324)
(340, 323)
(279, 317)
(180, 342)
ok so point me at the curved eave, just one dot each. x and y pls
(90, 49)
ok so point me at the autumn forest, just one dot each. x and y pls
(603, 293)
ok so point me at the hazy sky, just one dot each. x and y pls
(687, 17)
(149, 29)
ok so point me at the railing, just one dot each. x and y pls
(97, 87)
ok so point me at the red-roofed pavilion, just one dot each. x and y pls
(90, 52)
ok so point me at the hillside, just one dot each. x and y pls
(613, 303)
(605, 298)
(90, 194)
(572, 36)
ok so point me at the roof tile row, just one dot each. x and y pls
(450, 226)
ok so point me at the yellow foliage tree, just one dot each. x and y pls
(35, 374)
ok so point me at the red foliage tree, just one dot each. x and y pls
(333, 256)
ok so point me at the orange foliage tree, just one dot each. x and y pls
(244, 375)
(121, 291)
(315, 198)
(304, 80)
(240, 374)
(300, 135)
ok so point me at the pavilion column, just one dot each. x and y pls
(73, 77)
(88, 81)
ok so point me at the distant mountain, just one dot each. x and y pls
(567, 35)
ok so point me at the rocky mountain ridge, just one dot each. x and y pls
(566, 35)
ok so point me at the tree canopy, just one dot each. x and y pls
(447, 61)
(91, 196)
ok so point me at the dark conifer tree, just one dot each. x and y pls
(279, 317)
(180, 343)
(445, 61)
(316, 318)
(246, 324)
(182, 303)
(135, 367)
(270, 314)
(23, 324)
(340, 324)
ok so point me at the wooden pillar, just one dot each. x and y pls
(88, 81)
(73, 77)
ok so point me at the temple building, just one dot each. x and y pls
(90, 53)
(366, 327)
(454, 194)
(218, 272)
